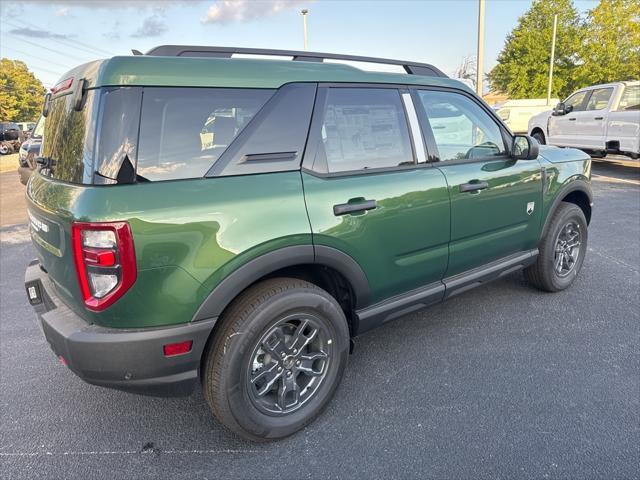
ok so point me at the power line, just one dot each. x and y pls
(39, 58)
(84, 48)
(50, 49)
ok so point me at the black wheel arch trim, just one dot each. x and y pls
(577, 185)
(270, 262)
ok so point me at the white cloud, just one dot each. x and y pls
(227, 11)
(152, 26)
(63, 12)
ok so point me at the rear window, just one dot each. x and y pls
(68, 140)
(184, 131)
(364, 128)
(630, 98)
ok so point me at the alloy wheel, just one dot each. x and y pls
(567, 249)
(288, 364)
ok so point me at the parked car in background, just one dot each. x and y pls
(29, 151)
(26, 128)
(517, 113)
(600, 119)
(10, 137)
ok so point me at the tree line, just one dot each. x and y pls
(21, 93)
(602, 47)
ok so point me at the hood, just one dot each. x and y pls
(561, 155)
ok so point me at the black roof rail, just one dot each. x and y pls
(413, 68)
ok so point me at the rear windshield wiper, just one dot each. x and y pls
(46, 163)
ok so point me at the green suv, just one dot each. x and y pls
(237, 222)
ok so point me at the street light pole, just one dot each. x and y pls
(304, 24)
(480, 56)
(553, 55)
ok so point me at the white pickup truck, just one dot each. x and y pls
(600, 119)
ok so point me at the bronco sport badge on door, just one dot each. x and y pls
(530, 207)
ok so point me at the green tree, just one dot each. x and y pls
(523, 64)
(21, 93)
(611, 48)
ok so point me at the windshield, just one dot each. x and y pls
(68, 140)
(38, 129)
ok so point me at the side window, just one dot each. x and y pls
(576, 101)
(364, 128)
(461, 128)
(599, 99)
(630, 98)
(183, 131)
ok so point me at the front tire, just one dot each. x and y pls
(539, 136)
(276, 360)
(562, 250)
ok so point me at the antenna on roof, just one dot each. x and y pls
(136, 52)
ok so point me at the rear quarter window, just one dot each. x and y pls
(68, 140)
(184, 131)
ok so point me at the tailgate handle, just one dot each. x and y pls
(473, 186)
(359, 206)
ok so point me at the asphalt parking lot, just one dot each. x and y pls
(501, 382)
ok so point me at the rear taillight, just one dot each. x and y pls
(105, 260)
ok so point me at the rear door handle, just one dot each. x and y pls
(598, 118)
(473, 186)
(360, 206)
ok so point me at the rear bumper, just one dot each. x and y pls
(126, 359)
(24, 173)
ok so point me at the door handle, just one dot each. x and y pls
(598, 118)
(572, 119)
(359, 206)
(473, 186)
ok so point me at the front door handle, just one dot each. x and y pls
(598, 118)
(359, 206)
(473, 186)
(572, 119)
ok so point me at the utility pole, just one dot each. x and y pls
(304, 24)
(480, 57)
(553, 55)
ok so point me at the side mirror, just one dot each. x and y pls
(47, 105)
(559, 110)
(524, 148)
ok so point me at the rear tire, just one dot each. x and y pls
(562, 250)
(539, 136)
(276, 359)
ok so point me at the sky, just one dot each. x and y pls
(53, 36)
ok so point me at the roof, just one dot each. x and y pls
(143, 70)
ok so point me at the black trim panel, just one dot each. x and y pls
(125, 359)
(248, 273)
(268, 263)
(486, 273)
(577, 185)
(404, 304)
(349, 268)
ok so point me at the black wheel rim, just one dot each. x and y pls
(288, 364)
(567, 249)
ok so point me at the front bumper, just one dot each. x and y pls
(126, 359)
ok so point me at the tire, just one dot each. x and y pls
(544, 273)
(247, 352)
(539, 136)
(4, 149)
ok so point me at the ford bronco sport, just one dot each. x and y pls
(238, 221)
